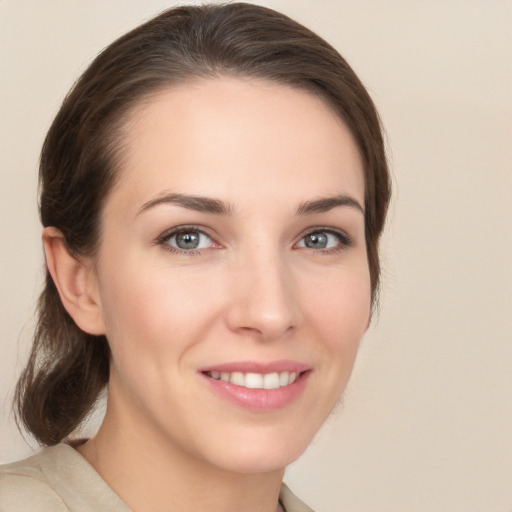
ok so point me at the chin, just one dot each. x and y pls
(261, 462)
(261, 455)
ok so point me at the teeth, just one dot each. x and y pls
(252, 380)
(256, 380)
(284, 378)
(271, 381)
(237, 378)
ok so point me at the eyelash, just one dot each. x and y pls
(345, 241)
(164, 238)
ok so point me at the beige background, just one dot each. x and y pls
(427, 420)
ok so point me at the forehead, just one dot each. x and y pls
(238, 140)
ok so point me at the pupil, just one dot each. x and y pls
(316, 241)
(187, 240)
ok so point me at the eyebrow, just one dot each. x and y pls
(197, 203)
(210, 205)
(328, 203)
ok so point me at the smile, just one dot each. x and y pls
(258, 387)
(256, 380)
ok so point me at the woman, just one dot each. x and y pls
(213, 190)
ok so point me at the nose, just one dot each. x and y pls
(264, 299)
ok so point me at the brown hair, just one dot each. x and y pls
(68, 368)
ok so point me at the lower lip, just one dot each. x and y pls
(259, 400)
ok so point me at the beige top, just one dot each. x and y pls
(59, 479)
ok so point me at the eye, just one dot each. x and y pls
(324, 239)
(187, 239)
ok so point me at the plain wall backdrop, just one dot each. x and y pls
(426, 422)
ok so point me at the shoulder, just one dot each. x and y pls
(57, 479)
(290, 502)
(24, 487)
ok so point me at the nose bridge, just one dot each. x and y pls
(264, 301)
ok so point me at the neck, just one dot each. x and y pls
(151, 473)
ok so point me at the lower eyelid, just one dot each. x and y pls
(343, 238)
(165, 238)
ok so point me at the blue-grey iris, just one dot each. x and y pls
(316, 241)
(187, 240)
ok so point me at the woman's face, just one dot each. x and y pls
(232, 273)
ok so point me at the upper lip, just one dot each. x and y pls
(282, 365)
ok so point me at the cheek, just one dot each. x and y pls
(154, 321)
(339, 313)
(340, 307)
(155, 311)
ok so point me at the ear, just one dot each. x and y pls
(75, 282)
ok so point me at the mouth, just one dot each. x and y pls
(252, 380)
(258, 388)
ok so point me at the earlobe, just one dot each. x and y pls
(75, 283)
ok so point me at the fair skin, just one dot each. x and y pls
(263, 277)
